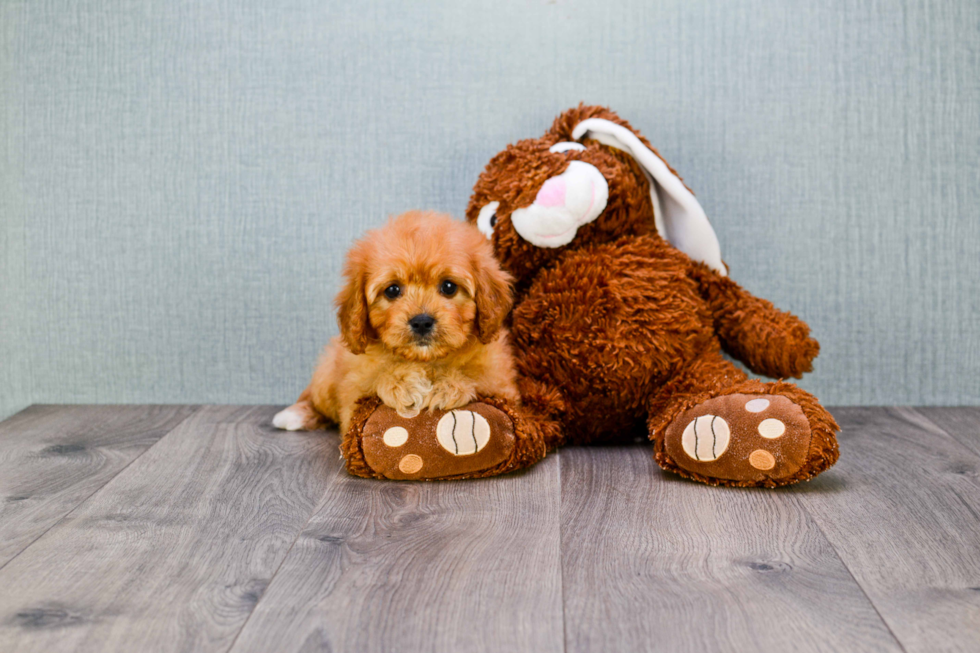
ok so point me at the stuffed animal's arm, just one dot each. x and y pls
(769, 341)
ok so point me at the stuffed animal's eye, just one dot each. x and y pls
(393, 291)
(487, 219)
(565, 146)
(448, 288)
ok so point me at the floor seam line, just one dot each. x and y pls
(272, 578)
(561, 560)
(97, 490)
(945, 431)
(816, 522)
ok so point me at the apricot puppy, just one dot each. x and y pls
(421, 318)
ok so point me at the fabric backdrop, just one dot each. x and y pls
(181, 179)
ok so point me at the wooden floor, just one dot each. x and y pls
(182, 528)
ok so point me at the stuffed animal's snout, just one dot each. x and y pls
(552, 193)
(563, 204)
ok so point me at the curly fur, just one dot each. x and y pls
(618, 333)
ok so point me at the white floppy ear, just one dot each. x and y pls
(678, 215)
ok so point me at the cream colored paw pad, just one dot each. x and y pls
(762, 459)
(706, 437)
(463, 432)
(757, 405)
(771, 428)
(410, 464)
(396, 436)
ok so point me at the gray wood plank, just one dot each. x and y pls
(961, 422)
(902, 509)
(174, 552)
(401, 566)
(54, 457)
(652, 562)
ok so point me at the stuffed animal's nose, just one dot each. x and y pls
(422, 324)
(552, 193)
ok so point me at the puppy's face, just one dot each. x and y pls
(423, 286)
(422, 311)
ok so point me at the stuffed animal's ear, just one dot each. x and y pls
(491, 294)
(678, 215)
(352, 311)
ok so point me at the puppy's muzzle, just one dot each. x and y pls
(422, 325)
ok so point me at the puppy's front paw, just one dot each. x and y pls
(448, 394)
(407, 405)
(405, 393)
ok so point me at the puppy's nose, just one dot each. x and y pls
(422, 324)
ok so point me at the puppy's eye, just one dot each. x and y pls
(448, 288)
(393, 291)
(493, 220)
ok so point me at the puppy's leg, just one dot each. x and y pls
(318, 404)
(496, 377)
(301, 416)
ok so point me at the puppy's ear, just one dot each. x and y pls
(352, 308)
(493, 296)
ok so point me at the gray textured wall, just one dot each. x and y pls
(180, 179)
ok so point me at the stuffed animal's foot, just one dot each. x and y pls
(479, 439)
(741, 439)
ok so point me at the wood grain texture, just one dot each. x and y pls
(902, 509)
(450, 566)
(175, 551)
(651, 562)
(52, 458)
(962, 423)
(224, 534)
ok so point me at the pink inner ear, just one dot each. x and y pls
(552, 193)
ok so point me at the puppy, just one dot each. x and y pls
(421, 316)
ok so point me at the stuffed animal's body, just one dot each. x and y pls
(622, 308)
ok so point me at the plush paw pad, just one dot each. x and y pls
(396, 436)
(463, 432)
(437, 444)
(740, 437)
(706, 438)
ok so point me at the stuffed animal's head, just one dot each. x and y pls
(590, 179)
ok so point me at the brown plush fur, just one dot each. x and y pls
(379, 355)
(618, 333)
